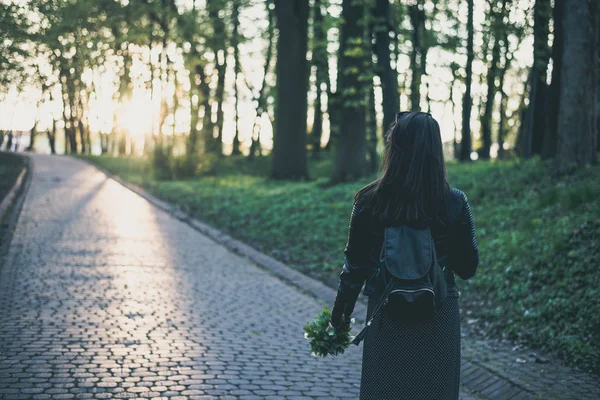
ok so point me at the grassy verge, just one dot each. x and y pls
(10, 167)
(538, 234)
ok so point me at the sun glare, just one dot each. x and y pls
(135, 116)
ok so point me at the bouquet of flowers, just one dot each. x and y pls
(323, 339)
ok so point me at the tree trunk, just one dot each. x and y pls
(289, 142)
(164, 68)
(577, 133)
(203, 90)
(72, 139)
(388, 76)
(66, 135)
(486, 118)
(88, 139)
(261, 101)
(507, 57)
(52, 137)
(535, 126)
(417, 58)
(321, 67)
(549, 146)
(33, 131)
(465, 142)
(503, 103)
(82, 136)
(192, 142)
(373, 159)
(220, 51)
(235, 41)
(455, 148)
(122, 144)
(32, 134)
(597, 27)
(351, 161)
(595, 10)
(72, 125)
(334, 99)
(104, 143)
(220, 97)
(175, 102)
(317, 131)
(396, 19)
(51, 134)
(9, 141)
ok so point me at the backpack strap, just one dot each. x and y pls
(382, 301)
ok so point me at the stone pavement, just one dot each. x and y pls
(502, 371)
(103, 295)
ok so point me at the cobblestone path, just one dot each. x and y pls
(104, 296)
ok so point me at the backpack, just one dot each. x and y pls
(415, 284)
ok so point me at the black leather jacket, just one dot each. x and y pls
(455, 245)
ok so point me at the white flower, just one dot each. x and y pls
(306, 335)
(353, 320)
(314, 354)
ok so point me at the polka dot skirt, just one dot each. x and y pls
(412, 360)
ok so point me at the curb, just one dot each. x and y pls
(12, 193)
(15, 198)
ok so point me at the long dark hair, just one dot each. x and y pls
(413, 185)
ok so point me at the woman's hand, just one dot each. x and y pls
(341, 313)
(341, 323)
(337, 315)
(330, 327)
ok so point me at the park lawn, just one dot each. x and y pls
(538, 280)
(10, 168)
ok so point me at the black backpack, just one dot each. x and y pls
(415, 284)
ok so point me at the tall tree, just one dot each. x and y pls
(334, 98)
(465, 142)
(496, 35)
(218, 43)
(261, 98)
(535, 116)
(51, 133)
(577, 133)
(289, 142)
(418, 55)
(351, 161)
(165, 65)
(320, 63)
(597, 27)
(235, 42)
(389, 77)
(41, 80)
(454, 67)
(506, 55)
(204, 92)
(371, 124)
(549, 146)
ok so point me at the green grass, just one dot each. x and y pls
(10, 167)
(538, 277)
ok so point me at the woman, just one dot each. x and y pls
(408, 360)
